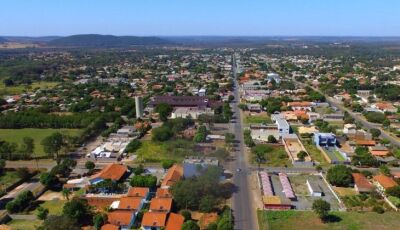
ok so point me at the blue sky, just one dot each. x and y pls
(201, 17)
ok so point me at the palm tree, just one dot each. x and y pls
(66, 193)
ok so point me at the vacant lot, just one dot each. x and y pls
(151, 151)
(7, 90)
(275, 156)
(7, 179)
(300, 220)
(17, 135)
(55, 207)
(257, 118)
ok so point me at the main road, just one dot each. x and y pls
(243, 209)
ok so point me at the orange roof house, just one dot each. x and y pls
(207, 219)
(381, 151)
(299, 104)
(109, 227)
(175, 221)
(154, 219)
(361, 184)
(161, 204)
(384, 182)
(130, 203)
(122, 218)
(138, 192)
(365, 142)
(101, 202)
(112, 171)
(174, 174)
(163, 193)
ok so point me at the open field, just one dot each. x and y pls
(257, 118)
(10, 90)
(7, 179)
(300, 220)
(55, 207)
(17, 135)
(275, 156)
(315, 154)
(24, 224)
(151, 151)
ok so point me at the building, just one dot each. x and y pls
(182, 101)
(274, 76)
(113, 172)
(194, 166)
(127, 130)
(161, 205)
(262, 132)
(379, 150)
(383, 182)
(110, 227)
(287, 187)
(123, 218)
(174, 174)
(128, 203)
(300, 105)
(361, 184)
(139, 106)
(314, 188)
(254, 108)
(325, 139)
(154, 220)
(141, 192)
(333, 117)
(276, 203)
(307, 130)
(192, 112)
(283, 125)
(175, 222)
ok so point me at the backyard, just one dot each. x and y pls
(7, 179)
(17, 135)
(151, 151)
(340, 220)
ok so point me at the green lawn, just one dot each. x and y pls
(7, 179)
(24, 224)
(10, 90)
(315, 154)
(257, 119)
(302, 220)
(55, 207)
(16, 136)
(338, 155)
(151, 151)
(275, 156)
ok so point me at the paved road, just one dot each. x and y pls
(244, 212)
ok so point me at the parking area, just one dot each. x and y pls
(304, 199)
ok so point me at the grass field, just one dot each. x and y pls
(275, 156)
(24, 224)
(300, 220)
(9, 90)
(17, 135)
(315, 154)
(257, 119)
(7, 179)
(55, 207)
(151, 151)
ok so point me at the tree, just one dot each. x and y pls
(66, 193)
(23, 173)
(384, 170)
(2, 165)
(89, 165)
(163, 111)
(272, 139)
(229, 139)
(190, 225)
(375, 132)
(53, 144)
(162, 133)
(340, 175)
(143, 181)
(60, 223)
(166, 164)
(201, 134)
(207, 203)
(321, 208)
(20, 202)
(48, 179)
(138, 170)
(186, 214)
(77, 209)
(133, 146)
(42, 213)
(302, 155)
(28, 145)
(99, 220)
(394, 191)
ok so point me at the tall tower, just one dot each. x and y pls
(139, 106)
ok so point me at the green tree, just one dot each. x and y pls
(375, 132)
(133, 146)
(385, 170)
(89, 165)
(190, 225)
(2, 165)
(99, 220)
(394, 191)
(162, 133)
(42, 213)
(302, 155)
(60, 223)
(28, 146)
(321, 208)
(143, 181)
(23, 173)
(77, 209)
(166, 164)
(272, 139)
(163, 111)
(186, 214)
(340, 175)
(207, 203)
(66, 193)
(48, 179)
(53, 144)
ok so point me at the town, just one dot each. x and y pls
(197, 137)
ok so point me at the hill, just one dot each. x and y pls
(96, 40)
(3, 40)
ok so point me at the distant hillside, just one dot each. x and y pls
(3, 40)
(95, 40)
(25, 39)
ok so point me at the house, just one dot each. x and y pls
(300, 105)
(174, 174)
(361, 184)
(100, 202)
(126, 130)
(262, 132)
(161, 205)
(154, 220)
(175, 221)
(163, 193)
(349, 129)
(113, 172)
(383, 182)
(314, 188)
(110, 227)
(195, 166)
(190, 112)
(128, 203)
(142, 192)
(276, 203)
(122, 218)
(359, 142)
(333, 117)
(283, 125)
(274, 76)
(379, 150)
(325, 139)
(385, 107)
(254, 108)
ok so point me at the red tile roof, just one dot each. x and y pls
(138, 192)
(161, 204)
(131, 203)
(163, 193)
(154, 219)
(112, 171)
(365, 142)
(385, 181)
(175, 221)
(101, 202)
(120, 217)
(362, 183)
(174, 174)
(109, 227)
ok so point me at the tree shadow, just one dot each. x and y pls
(332, 219)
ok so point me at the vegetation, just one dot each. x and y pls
(340, 175)
(143, 181)
(20, 202)
(321, 208)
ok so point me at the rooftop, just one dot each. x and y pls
(154, 219)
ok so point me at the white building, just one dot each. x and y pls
(314, 189)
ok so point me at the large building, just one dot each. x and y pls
(139, 106)
(283, 125)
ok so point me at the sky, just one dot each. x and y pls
(201, 17)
